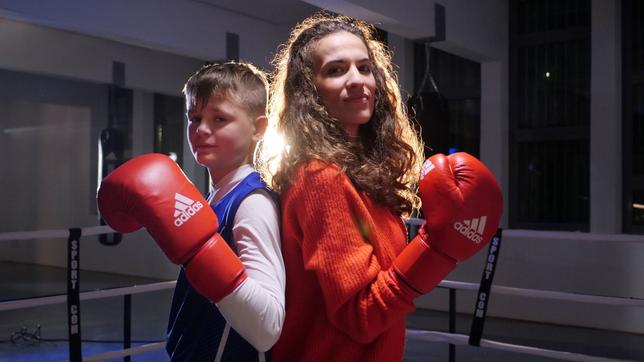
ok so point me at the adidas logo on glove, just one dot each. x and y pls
(427, 166)
(472, 229)
(184, 209)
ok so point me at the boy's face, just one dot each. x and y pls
(221, 134)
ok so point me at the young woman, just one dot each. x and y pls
(346, 176)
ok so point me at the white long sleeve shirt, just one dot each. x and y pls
(256, 308)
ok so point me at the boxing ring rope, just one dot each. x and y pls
(548, 294)
(446, 284)
(94, 294)
(58, 233)
(422, 335)
(461, 339)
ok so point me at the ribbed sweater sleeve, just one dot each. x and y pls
(349, 243)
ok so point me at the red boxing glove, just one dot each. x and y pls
(462, 203)
(151, 191)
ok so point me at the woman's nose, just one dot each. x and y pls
(355, 78)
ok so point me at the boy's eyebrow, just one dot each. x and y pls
(213, 108)
(209, 107)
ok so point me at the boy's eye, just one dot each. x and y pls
(220, 120)
(194, 119)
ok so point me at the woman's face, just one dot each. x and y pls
(344, 79)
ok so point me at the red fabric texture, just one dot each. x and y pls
(343, 302)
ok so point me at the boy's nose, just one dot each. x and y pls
(204, 129)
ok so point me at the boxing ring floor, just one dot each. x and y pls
(102, 325)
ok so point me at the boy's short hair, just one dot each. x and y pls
(242, 81)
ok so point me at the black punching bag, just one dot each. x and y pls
(429, 107)
(110, 154)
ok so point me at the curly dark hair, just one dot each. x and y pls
(385, 159)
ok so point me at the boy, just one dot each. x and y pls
(226, 107)
(228, 304)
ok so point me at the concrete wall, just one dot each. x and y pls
(190, 28)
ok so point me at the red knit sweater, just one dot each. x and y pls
(342, 301)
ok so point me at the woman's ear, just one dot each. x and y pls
(261, 123)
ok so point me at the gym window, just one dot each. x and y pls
(549, 114)
(633, 114)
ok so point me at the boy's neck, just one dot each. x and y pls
(219, 185)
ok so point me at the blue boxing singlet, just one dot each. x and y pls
(196, 329)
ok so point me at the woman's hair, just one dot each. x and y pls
(385, 159)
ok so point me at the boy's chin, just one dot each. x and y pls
(205, 160)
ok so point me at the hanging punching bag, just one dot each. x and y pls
(110, 156)
(428, 104)
(430, 109)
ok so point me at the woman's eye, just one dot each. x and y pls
(365, 68)
(335, 71)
